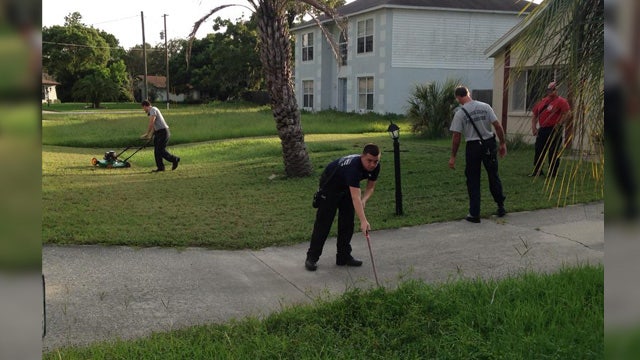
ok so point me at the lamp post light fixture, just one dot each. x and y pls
(394, 132)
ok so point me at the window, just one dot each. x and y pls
(307, 47)
(484, 95)
(529, 87)
(365, 36)
(365, 93)
(343, 48)
(307, 94)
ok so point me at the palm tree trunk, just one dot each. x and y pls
(275, 52)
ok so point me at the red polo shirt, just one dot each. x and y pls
(550, 109)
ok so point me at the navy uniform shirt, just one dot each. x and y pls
(347, 171)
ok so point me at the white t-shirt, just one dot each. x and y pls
(159, 122)
(482, 115)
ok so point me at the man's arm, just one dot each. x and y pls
(534, 124)
(455, 145)
(359, 208)
(368, 192)
(502, 149)
(149, 133)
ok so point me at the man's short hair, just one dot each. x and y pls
(146, 103)
(461, 91)
(371, 149)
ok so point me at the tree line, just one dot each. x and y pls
(92, 67)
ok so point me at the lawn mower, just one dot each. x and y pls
(111, 159)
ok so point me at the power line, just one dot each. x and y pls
(114, 20)
(98, 47)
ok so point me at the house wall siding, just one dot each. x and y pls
(446, 39)
(410, 47)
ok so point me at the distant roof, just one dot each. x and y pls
(159, 82)
(362, 6)
(48, 80)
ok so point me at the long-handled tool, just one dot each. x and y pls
(375, 273)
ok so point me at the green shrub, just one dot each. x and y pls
(431, 108)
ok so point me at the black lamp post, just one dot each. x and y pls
(394, 132)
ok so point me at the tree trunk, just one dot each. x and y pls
(275, 54)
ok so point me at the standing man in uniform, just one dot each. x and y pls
(480, 149)
(549, 114)
(340, 189)
(159, 129)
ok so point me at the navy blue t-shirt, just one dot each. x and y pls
(347, 171)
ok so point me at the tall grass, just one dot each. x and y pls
(532, 316)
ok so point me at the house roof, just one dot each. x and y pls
(364, 6)
(48, 80)
(509, 37)
(489, 5)
(159, 82)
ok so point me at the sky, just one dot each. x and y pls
(122, 18)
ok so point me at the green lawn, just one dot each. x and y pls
(230, 192)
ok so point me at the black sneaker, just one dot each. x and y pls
(157, 170)
(350, 262)
(501, 211)
(310, 265)
(473, 219)
(175, 163)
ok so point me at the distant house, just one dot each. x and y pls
(157, 90)
(49, 94)
(393, 45)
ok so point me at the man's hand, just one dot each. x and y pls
(365, 227)
(145, 136)
(452, 163)
(502, 150)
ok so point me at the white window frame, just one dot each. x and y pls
(307, 47)
(366, 93)
(525, 92)
(365, 36)
(307, 94)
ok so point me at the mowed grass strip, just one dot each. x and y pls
(530, 316)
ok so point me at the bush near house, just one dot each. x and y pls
(431, 108)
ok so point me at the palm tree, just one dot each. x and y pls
(568, 35)
(275, 55)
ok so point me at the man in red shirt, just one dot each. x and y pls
(549, 114)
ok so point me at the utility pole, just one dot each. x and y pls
(145, 94)
(166, 56)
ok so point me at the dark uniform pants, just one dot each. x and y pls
(548, 143)
(335, 202)
(475, 157)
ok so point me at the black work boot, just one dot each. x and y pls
(310, 264)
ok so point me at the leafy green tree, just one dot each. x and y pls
(275, 55)
(224, 64)
(71, 51)
(95, 87)
(431, 108)
(567, 35)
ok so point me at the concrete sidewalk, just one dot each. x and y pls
(96, 293)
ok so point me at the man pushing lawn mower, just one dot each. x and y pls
(159, 130)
